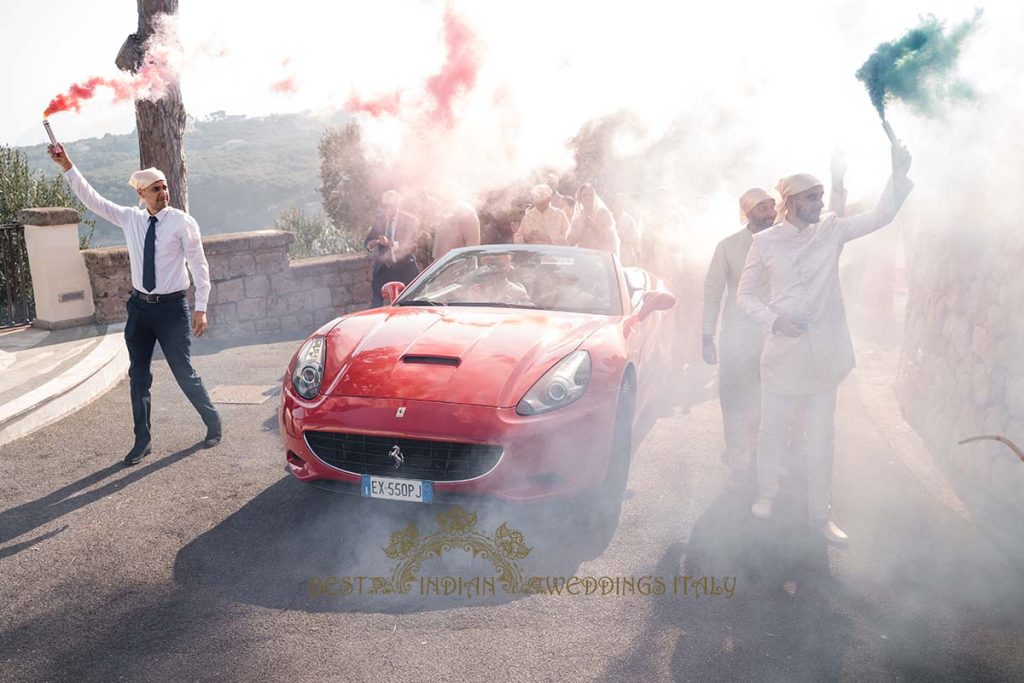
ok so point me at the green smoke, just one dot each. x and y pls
(917, 68)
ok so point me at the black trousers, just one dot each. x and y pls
(404, 271)
(167, 322)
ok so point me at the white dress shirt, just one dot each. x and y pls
(801, 268)
(177, 241)
(550, 226)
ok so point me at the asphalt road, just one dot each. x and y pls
(216, 565)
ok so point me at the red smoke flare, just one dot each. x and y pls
(457, 76)
(151, 82)
(158, 73)
(72, 99)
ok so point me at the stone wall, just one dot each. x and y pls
(256, 289)
(962, 366)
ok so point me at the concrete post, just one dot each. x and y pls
(60, 281)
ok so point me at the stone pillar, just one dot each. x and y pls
(60, 281)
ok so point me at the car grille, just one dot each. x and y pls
(431, 460)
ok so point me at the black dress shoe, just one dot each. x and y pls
(213, 438)
(136, 454)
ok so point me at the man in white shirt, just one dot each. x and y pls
(161, 241)
(807, 347)
(739, 372)
(459, 228)
(542, 223)
(392, 241)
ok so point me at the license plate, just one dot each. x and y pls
(397, 489)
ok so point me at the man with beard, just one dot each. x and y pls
(739, 373)
(542, 223)
(559, 200)
(392, 241)
(807, 347)
(161, 242)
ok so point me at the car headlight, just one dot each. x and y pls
(560, 386)
(309, 368)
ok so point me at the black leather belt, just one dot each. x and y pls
(158, 298)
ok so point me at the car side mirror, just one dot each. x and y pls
(658, 300)
(391, 291)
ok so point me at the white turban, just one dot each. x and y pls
(140, 180)
(791, 185)
(541, 193)
(750, 199)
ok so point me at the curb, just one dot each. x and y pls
(94, 375)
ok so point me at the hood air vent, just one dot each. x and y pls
(431, 360)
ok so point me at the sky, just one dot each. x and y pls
(775, 79)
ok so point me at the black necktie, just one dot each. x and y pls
(149, 257)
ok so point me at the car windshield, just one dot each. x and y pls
(548, 278)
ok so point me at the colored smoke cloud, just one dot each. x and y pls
(441, 91)
(158, 72)
(284, 86)
(918, 68)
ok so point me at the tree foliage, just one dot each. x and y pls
(22, 188)
(314, 234)
(348, 190)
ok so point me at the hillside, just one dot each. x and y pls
(242, 172)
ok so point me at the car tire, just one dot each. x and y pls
(602, 504)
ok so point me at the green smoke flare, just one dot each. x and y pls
(916, 69)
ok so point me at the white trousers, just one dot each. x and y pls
(782, 413)
(739, 391)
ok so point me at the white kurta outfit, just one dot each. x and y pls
(801, 269)
(739, 358)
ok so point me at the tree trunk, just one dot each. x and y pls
(160, 124)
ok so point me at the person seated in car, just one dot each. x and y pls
(583, 287)
(493, 282)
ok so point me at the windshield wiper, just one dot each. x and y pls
(420, 302)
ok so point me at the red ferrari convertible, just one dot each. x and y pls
(519, 372)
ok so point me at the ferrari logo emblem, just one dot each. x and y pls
(400, 412)
(396, 455)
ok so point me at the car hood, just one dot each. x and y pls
(479, 356)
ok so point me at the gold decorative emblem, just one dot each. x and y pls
(457, 531)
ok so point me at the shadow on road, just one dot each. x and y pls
(779, 624)
(24, 518)
(285, 546)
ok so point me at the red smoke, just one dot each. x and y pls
(288, 84)
(460, 67)
(377, 106)
(158, 73)
(72, 99)
(457, 76)
(285, 86)
(150, 82)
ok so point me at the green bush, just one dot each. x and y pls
(20, 188)
(315, 235)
